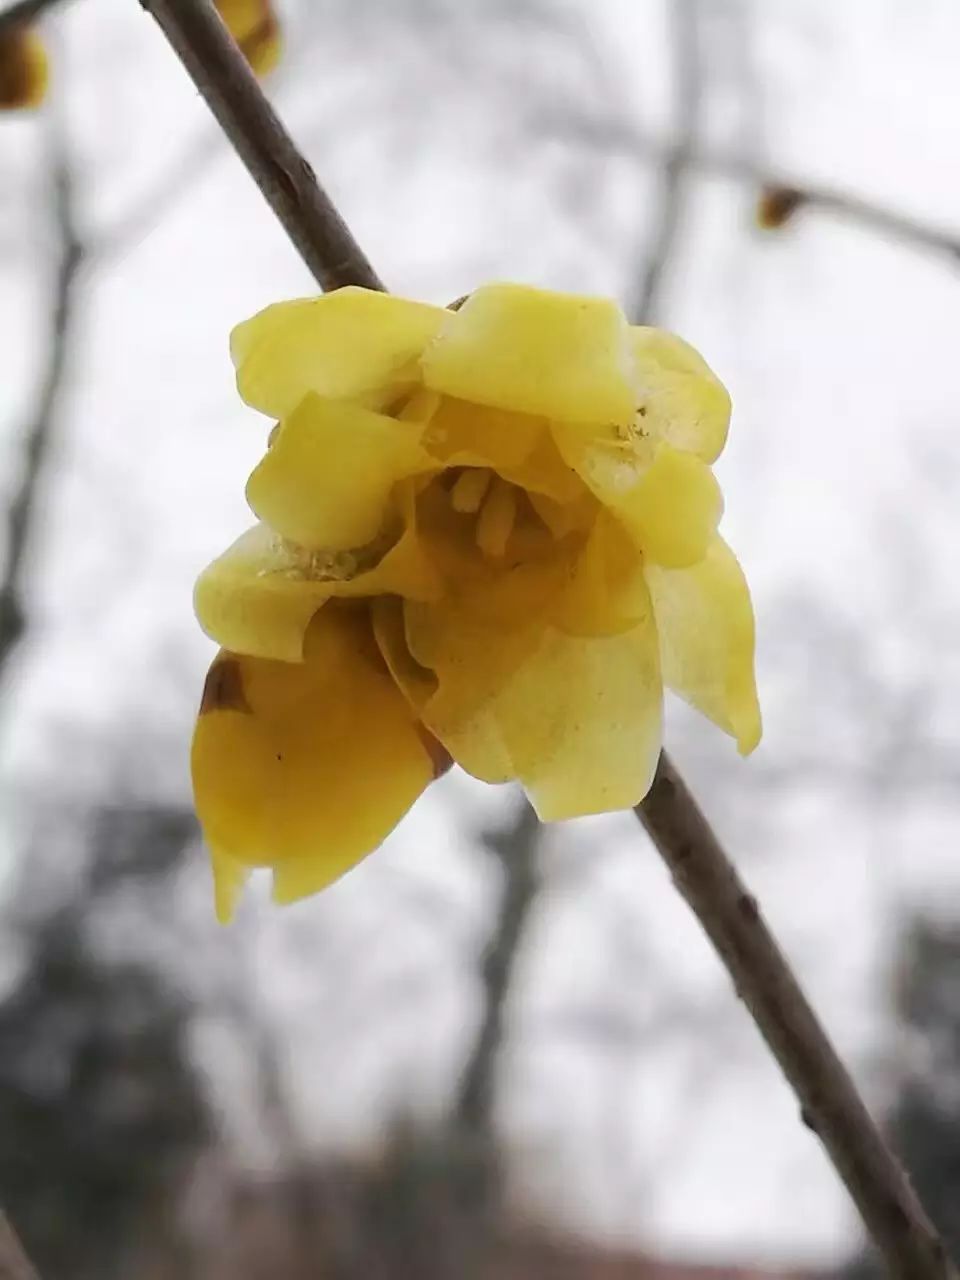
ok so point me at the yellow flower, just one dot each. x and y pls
(253, 24)
(23, 69)
(489, 532)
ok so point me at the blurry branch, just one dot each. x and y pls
(24, 11)
(685, 43)
(516, 848)
(829, 1102)
(701, 869)
(14, 1263)
(616, 138)
(38, 432)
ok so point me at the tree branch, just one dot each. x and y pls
(829, 1102)
(688, 96)
(616, 138)
(516, 849)
(14, 1263)
(38, 433)
(231, 91)
(704, 875)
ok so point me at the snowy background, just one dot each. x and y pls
(463, 142)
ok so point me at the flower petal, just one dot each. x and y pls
(706, 627)
(327, 477)
(258, 597)
(538, 352)
(24, 71)
(304, 768)
(349, 343)
(682, 401)
(581, 721)
(253, 24)
(669, 500)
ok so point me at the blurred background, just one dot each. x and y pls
(493, 1049)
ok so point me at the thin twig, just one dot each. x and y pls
(829, 1102)
(38, 433)
(14, 1263)
(231, 90)
(728, 914)
(688, 96)
(25, 11)
(516, 849)
(617, 138)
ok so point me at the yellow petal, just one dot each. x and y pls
(253, 24)
(351, 343)
(537, 352)
(606, 592)
(671, 504)
(326, 479)
(258, 597)
(510, 695)
(674, 508)
(706, 628)
(304, 768)
(581, 721)
(24, 71)
(681, 399)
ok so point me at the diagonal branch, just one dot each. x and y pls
(38, 433)
(829, 1102)
(704, 875)
(231, 90)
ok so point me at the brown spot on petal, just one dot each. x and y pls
(441, 757)
(223, 688)
(457, 302)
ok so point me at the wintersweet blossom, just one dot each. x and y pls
(487, 534)
(23, 68)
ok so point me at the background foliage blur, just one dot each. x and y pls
(491, 1049)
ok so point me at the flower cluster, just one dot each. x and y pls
(486, 534)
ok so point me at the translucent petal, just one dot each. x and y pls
(518, 446)
(682, 401)
(537, 352)
(669, 501)
(306, 767)
(351, 343)
(253, 24)
(581, 721)
(705, 622)
(326, 480)
(497, 681)
(258, 598)
(24, 71)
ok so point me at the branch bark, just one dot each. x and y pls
(703, 873)
(14, 1263)
(829, 1102)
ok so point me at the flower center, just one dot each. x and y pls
(494, 501)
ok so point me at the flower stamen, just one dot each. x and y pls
(470, 489)
(497, 519)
